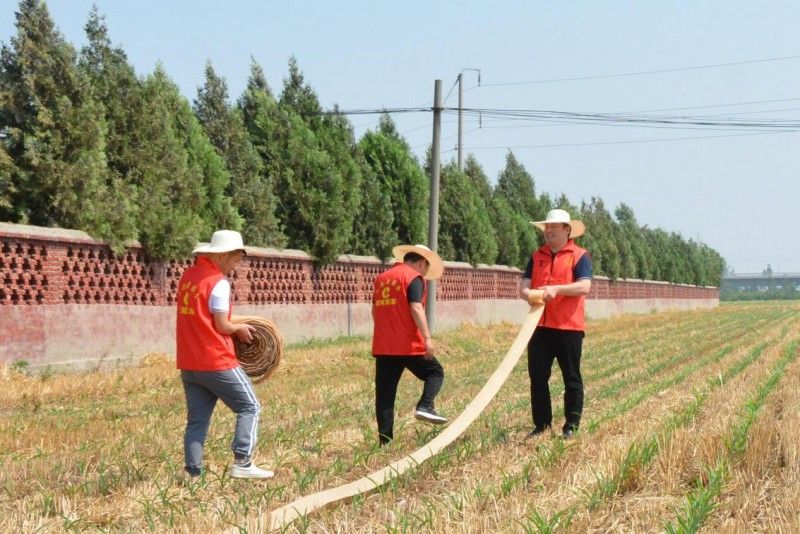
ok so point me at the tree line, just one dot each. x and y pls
(87, 143)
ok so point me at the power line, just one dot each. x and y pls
(622, 142)
(644, 72)
(550, 123)
(764, 111)
(596, 118)
(371, 111)
(707, 106)
(628, 118)
(422, 109)
(426, 125)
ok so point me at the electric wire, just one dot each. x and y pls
(619, 142)
(628, 118)
(644, 72)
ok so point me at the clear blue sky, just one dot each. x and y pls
(739, 194)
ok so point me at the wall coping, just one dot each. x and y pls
(26, 231)
(64, 235)
(497, 267)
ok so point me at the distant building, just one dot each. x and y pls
(763, 282)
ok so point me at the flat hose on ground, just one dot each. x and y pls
(261, 356)
(304, 505)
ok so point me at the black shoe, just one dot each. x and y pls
(537, 431)
(569, 433)
(429, 415)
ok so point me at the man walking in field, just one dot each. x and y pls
(206, 357)
(401, 338)
(563, 271)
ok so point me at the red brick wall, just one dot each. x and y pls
(65, 299)
(39, 266)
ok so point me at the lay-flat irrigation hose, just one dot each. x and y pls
(261, 356)
(286, 514)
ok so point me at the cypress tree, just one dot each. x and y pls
(182, 178)
(697, 265)
(7, 169)
(53, 132)
(600, 238)
(627, 263)
(338, 141)
(205, 163)
(373, 226)
(634, 235)
(298, 96)
(465, 231)
(117, 90)
(507, 229)
(680, 252)
(267, 127)
(399, 175)
(485, 211)
(319, 179)
(250, 188)
(658, 249)
(516, 185)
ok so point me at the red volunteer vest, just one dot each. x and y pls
(562, 313)
(199, 346)
(395, 333)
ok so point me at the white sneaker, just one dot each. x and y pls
(429, 416)
(250, 471)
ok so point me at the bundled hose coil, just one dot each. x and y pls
(261, 356)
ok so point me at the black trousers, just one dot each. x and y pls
(545, 345)
(388, 370)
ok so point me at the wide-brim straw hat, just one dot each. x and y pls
(222, 241)
(436, 268)
(561, 216)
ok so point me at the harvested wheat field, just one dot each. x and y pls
(690, 424)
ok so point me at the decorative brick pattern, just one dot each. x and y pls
(94, 275)
(335, 284)
(455, 284)
(484, 284)
(22, 271)
(172, 273)
(369, 273)
(274, 281)
(41, 269)
(507, 284)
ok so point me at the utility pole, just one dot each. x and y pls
(461, 115)
(461, 121)
(433, 212)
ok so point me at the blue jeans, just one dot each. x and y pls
(202, 389)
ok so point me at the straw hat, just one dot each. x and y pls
(436, 268)
(222, 241)
(561, 216)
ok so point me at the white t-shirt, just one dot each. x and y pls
(220, 298)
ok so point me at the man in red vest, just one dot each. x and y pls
(563, 271)
(401, 338)
(206, 357)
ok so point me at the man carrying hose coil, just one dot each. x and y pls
(563, 271)
(401, 338)
(206, 357)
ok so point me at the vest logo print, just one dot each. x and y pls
(386, 288)
(186, 291)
